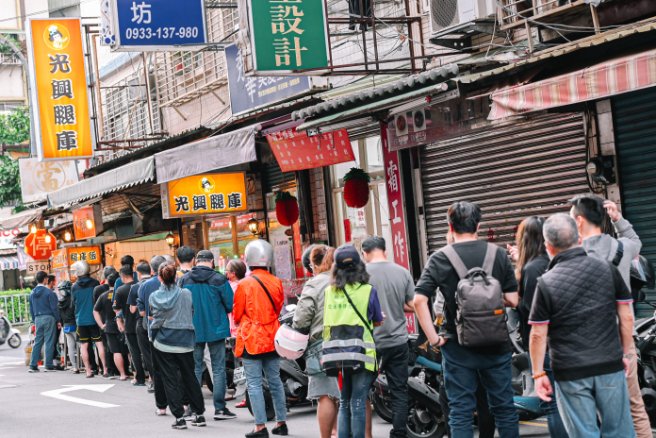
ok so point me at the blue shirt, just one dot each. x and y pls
(43, 301)
(82, 293)
(145, 290)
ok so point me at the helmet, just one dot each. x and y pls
(290, 344)
(306, 259)
(259, 253)
(80, 268)
(64, 285)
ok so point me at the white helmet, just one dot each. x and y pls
(258, 253)
(290, 344)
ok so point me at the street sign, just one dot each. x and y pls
(40, 245)
(156, 25)
(34, 267)
(288, 35)
(60, 394)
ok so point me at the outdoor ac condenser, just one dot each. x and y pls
(451, 13)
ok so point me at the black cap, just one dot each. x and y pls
(346, 256)
(204, 256)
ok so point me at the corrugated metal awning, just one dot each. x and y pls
(211, 153)
(621, 75)
(8, 262)
(21, 219)
(129, 175)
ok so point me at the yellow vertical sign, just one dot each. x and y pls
(60, 102)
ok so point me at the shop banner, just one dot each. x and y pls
(38, 178)
(297, 151)
(158, 25)
(397, 213)
(7, 238)
(60, 102)
(250, 92)
(59, 259)
(87, 222)
(288, 35)
(211, 193)
(89, 254)
(40, 245)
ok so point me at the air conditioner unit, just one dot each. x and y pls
(419, 120)
(401, 125)
(451, 13)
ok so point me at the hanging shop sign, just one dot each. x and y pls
(288, 35)
(251, 92)
(89, 254)
(36, 266)
(59, 259)
(60, 101)
(211, 193)
(38, 178)
(297, 151)
(87, 222)
(7, 238)
(40, 244)
(155, 25)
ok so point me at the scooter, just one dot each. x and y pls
(8, 334)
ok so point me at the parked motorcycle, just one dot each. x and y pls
(8, 334)
(292, 373)
(645, 340)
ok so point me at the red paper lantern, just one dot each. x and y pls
(287, 211)
(356, 188)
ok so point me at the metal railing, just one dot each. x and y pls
(16, 308)
(515, 11)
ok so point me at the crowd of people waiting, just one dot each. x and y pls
(570, 284)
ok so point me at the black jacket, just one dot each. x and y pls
(67, 309)
(580, 305)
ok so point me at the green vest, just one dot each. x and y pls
(346, 339)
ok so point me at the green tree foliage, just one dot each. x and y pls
(15, 127)
(10, 191)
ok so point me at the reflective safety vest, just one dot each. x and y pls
(348, 343)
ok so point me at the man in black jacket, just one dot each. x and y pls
(576, 307)
(67, 313)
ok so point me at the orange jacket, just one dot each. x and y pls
(252, 310)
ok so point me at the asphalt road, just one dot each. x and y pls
(26, 412)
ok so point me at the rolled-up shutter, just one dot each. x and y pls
(513, 171)
(635, 140)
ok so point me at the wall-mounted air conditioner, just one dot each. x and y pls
(451, 13)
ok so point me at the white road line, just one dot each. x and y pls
(60, 394)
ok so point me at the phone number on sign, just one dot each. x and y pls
(146, 33)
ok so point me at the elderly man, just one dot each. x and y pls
(577, 306)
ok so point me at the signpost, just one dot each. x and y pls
(154, 25)
(288, 35)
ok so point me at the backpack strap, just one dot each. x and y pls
(490, 256)
(267, 292)
(619, 253)
(455, 260)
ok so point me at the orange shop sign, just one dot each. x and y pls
(84, 222)
(212, 193)
(60, 100)
(89, 254)
(40, 244)
(59, 259)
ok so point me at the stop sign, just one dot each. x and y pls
(40, 245)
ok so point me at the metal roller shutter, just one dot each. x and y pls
(526, 168)
(635, 139)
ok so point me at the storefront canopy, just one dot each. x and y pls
(129, 175)
(208, 154)
(21, 219)
(8, 262)
(600, 81)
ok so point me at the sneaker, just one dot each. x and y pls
(188, 415)
(179, 424)
(33, 370)
(151, 388)
(280, 430)
(160, 412)
(264, 433)
(224, 414)
(198, 421)
(49, 369)
(241, 404)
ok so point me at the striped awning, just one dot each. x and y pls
(8, 262)
(599, 81)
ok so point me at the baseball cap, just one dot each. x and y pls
(204, 256)
(346, 256)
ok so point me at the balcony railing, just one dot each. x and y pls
(9, 58)
(515, 13)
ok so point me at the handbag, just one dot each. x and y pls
(313, 358)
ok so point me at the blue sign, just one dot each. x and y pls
(250, 92)
(158, 24)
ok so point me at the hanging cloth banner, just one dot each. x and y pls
(295, 150)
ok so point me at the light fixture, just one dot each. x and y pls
(89, 224)
(68, 236)
(48, 239)
(33, 229)
(170, 239)
(253, 226)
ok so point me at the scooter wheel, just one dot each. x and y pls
(14, 341)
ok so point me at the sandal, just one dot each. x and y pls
(89, 376)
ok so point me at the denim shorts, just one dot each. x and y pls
(320, 385)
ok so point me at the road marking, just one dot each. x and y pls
(533, 423)
(60, 395)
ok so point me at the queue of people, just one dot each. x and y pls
(569, 283)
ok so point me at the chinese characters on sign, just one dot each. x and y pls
(59, 89)
(249, 92)
(40, 245)
(204, 194)
(296, 151)
(89, 254)
(40, 178)
(295, 29)
(158, 24)
(86, 221)
(59, 259)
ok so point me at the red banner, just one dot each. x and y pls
(297, 151)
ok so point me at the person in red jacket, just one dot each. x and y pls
(257, 304)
